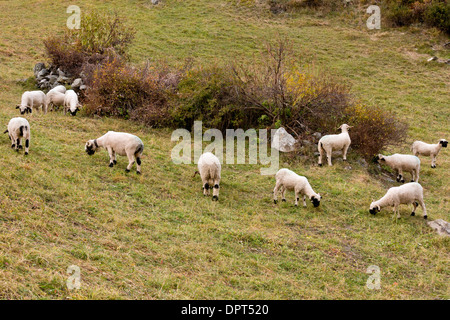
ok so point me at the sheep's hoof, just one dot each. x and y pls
(412, 181)
(20, 147)
(434, 167)
(320, 164)
(296, 205)
(344, 159)
(13, 146)
(275, 201)
(26, 153)
(283, 200)
(111, 165)
(126, 170)
(402, 181)
(425, 217)
(138, 172)
(413, 214)
(114, 161)
(215, 198)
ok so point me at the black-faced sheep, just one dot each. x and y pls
(19, 129)
(55, 97)
(289, 180)
(210, 169)
(121, 143)
(400, 163)
(71, 103)
(32, 99)
(409, 193)
(425, 149)
(334, 142)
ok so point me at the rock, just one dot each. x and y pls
(317, 136)
(76, 83)
(38, 67)
(52, 79)
(306, 142)
(336, 153)
(283, 141)
(316, 154)
(155, 1)
(41, 74)
(62, 79)
(362, 162)
(348, 168)
(432, 59)
(83, 87)
(442, 227)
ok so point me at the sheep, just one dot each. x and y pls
(31, 99)
(400, 163)
(71, 102)
(425, 149)
(118, 143)
(411, 192)
(333, 142)
(289, 180)
(55, 97)
(209, 168)
(19, 129)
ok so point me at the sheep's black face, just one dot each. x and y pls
(375, 159)
(90, 149)
(373, 211)
(73, 113)
(315, 202)
(444, 143)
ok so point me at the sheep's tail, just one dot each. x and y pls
(6, 131)
(195, 174)
(140, 148)
(321, 146)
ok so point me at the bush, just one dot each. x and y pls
(118, 90)
(438, 15)
(98, 36)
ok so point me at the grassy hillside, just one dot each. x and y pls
(155, 236)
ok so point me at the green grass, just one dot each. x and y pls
(155, 236)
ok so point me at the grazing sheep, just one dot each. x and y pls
(289, 180)
(333, 142)
(55, 97)
(411, 192)
(31, 99)
(425, 149)
(118, 143)
(400, 163)
(71, 102)
(19, 129)
(209, 169)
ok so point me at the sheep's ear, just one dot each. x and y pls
(378, 207)
(17, 107)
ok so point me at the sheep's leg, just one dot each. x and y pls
(413, 175)
(131, 160)
(275, 192)
(206, 187)
(304, 200)
(344, 152)
(138, 162)
(396, 210)
(415, 205)
(283, 193)
(433, 161)
(297, 197)
(417, 176)
(329, 153)
(27, 145)
(422, 204)
(321, 150)
(111, 156)
(17, 144)
(216, 190)
(114, 157)
(400, 176)
(13, 145)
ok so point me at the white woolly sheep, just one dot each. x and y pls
(19, 129)
(55, 97)
(209, 168)
(425, 149)
(71, 102)
(289, 180)
(32, 99)
(408, 193)
(121, 143)
(334, 142)
(400, 163)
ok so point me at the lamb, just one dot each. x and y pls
(425, 149)
(400, 163)
(334, 142)
(71, 102)
(19, 129)
(411, 192)
(209, 168)
(31, 99)
(289, 180)
(118, 143)
(55, 97)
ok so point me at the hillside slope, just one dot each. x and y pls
(155, 236)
